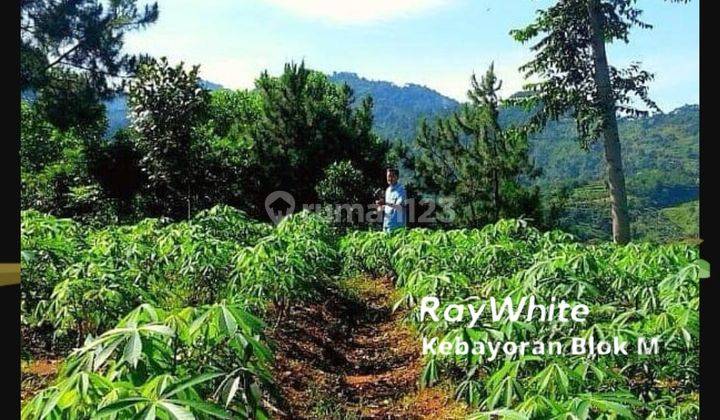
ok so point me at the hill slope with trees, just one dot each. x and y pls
(660, 156)
(660, 152)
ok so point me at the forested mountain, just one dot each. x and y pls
(397, 109)
(660, 149)
(661, 161)
(660, 156)
(660, 152)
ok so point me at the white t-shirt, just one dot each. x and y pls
(394, 218)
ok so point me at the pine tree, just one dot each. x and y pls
(84, 36)
(470, 158)
(307, 124)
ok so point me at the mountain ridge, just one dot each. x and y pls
(660, 151)
(397, 108)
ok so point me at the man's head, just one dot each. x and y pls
(392, 175)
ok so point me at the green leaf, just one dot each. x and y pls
(255, 392)
(103, 355)
(228, 325)
(68, 398)
(118, 406)
(187, 383)
(177, 412)
(206, 408)
(231, 391)
(148, 413)
(158, 329)
(252, 322)
(198, 323)
(133, 349)
(704, 268)
(50, 405)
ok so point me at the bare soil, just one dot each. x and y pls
(347, 356)
(36, 375)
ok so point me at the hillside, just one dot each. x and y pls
(397, 109)
(661, 152)
(661, 161)
(587, 215)
(660, 156)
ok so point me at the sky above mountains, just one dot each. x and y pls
(437, 43)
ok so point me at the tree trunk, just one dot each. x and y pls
(496, 195)
(613, 154)
(189, 213)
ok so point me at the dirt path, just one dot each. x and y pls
(36, 375)
(348, 356)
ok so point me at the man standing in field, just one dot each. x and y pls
(394, 203)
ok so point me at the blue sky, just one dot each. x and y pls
(437, 43)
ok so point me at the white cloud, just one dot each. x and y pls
(356, 12)
(234, 73)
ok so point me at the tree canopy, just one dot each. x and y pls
(575, 78)
(86, 36)
(471, 159)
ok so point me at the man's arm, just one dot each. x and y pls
(380, 202)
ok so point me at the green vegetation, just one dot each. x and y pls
(634, 290)
(75, 274)
(471, 160)
(572, 77)
(585, 214)
(169, 317)
(685, 216)
(149, 272)
(162, 312)
(167, 105)
(397, 110)
(660, 153)
(188, 149)
(661, 149)
(82, 37)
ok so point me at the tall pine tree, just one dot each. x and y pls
(471, 159)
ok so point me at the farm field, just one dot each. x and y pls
(224, 317)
